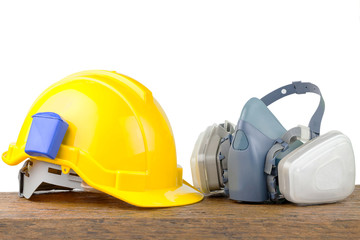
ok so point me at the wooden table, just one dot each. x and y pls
(90, 215)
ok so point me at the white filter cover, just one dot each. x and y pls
(320, 171)
(197, 162)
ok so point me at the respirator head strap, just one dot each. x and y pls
(300, 88)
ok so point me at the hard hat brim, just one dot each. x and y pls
(182, 195)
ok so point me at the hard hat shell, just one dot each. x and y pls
(119, 140)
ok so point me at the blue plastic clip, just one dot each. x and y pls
(46, 135)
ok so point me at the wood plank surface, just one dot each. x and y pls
(77, 215)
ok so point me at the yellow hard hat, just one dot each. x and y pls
(116, 138)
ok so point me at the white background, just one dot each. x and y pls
(201, 59)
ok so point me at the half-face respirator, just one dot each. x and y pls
(258, 160)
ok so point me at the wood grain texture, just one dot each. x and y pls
(76, 215)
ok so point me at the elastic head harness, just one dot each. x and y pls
(300, 88)
(298, 133)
